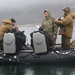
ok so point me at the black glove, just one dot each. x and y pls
(41, 29)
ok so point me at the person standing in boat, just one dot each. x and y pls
(49, 26)
(5, 28)
(66, 28)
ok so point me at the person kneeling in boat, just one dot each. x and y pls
(49, 26)
(5, 28)
(20, 38)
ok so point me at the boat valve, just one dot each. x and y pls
(15, 57)
(0, 57)
(10, 60)
(4, 54)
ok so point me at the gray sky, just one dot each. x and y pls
(31, 11)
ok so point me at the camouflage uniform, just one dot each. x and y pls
(66, 29)
(50, 27)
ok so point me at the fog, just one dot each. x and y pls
(31, 11)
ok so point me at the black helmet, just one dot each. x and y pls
(13, 20)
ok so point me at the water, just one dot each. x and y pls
(30, 28)
(37, 69)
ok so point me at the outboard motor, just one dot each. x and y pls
(39, 43)
(9, 43)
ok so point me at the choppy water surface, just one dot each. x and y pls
(37, 69)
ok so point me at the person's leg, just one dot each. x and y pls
(49, 41)
(54, 42)
(65, 41)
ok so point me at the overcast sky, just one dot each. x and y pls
(31, 11)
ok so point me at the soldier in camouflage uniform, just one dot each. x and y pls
(66, 28)
(49, 26)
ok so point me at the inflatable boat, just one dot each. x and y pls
(40, 53)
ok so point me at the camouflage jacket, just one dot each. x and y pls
(49, 26)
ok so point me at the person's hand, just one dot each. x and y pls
(55, 21)
(54, 36)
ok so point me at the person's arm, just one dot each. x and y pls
(42, 24)
(63, 22)
(9, 28)
(55, 31)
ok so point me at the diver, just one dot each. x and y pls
(20, 36)
(20, 39)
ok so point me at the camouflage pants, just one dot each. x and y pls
(65, 41)
(54, 40)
